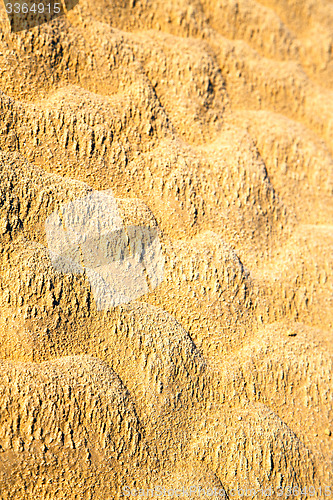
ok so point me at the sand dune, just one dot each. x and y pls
(211, 122)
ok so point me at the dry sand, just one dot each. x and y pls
(212, 123)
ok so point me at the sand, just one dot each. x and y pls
(209, 125)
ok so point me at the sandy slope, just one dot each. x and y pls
(212, 122)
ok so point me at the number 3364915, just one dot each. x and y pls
(39, 8)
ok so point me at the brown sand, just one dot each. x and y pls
(212, 122)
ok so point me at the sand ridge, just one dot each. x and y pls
(212, 123)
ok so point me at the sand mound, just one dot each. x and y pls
(211, 124)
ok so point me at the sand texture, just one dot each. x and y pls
(209, 124)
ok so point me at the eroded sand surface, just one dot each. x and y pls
(212, 123)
